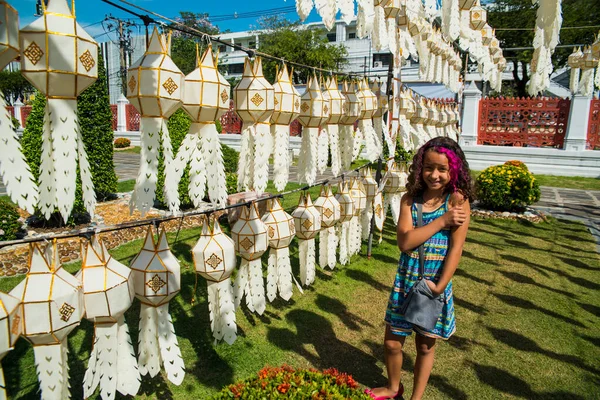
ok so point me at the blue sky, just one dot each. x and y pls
(92, 11)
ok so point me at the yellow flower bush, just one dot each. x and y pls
(507, 187)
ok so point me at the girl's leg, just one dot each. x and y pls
(393, 362)
(423, 364)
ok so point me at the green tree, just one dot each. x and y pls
(522, 14)
(297, 43)
(13, 85)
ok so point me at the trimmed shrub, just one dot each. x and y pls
(517, 163)
(285, 382)
(9, 220)
(230, 160)
(121, 143)
(231, 180)
(507, 188)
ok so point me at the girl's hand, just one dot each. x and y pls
(433, 287)
(455, 216)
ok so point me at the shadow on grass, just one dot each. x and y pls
(528, 305)
(593, 340)
(470, 306)
(462, 273)
(482, 260)
(595, 310)
(578, 264)
(516, 277)
(510, 384)
(339, 309)
(539, 268)
(462, 343)
(523, 343)
(313, 330)
(366, 278)
(384, 258)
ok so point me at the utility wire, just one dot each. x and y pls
(533, 29)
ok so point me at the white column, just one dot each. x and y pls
(470, 115)
(121, 114)
(17, 111)
(576, 134)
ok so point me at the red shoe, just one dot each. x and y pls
(397, 396)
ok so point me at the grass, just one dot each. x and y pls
(134, 150)
(567, 182)
(527, 317)
(125, 186)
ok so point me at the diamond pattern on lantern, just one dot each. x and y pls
(87, 60)
(305, 107)
(307, 224)
(292, 227)
(155, 283)
(276, 101)
(271, 231)
(15, 325)
(33, 53)
(247, 243)
(132, 83)
(214, 261)
(297, 104)
(170, 86)
(378, 210)
(257, 99)
(224, 96)
(328, 213)
(326, 109)
(66, 311)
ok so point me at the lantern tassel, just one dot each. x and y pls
(184, 154)
(263, 146)
(257, 289)
(284, 273)
(346, 146)
(380, 38)
(221, 304)
(281, 157)
(395, 207)
(128, 382)
(392, 35)
(107, 359)
(213, 161)
(574, 80)
(343, 232)
(246, 159)
(309, 151)
(241, 284)
(52, 371)
(359, 137)
(307, 261)
(272, 275)
(366, 126)
(347, 10)
(14, 170)
(169, 347)
(365, 221)
(145, 184)
(148, 347)
(87, 186)
(91, 379)
(586, 84)
(322, 151)
(197, 185)
(47, 200)
(334, 148)
(323, 248)
(170, 188)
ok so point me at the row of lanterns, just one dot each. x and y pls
(50, 302)
(582, 63)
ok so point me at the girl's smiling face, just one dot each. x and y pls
(436, 170)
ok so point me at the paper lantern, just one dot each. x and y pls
(392, 10)
(214, 259)
(405, 129)
(323, 137)
(371, 189)
(157, 279)
(487, 34)
(574, 61)
(350, 115)
(314, 112)
(52, 306)
(336, 100)
(395, 180)
(467, 4)
(155, 88)
(107, 293)
(478, 17)
(419, 135)
(14, 170)
(11, 327)
(286, 110)
(431, 122)
(254, 103)
(329, 210)
(378, 211)
(347, 211)
(250, 237)
(205, 100)
(359, 197)
(307, 221)
(60, 60)
(368, 108)
(280, 230)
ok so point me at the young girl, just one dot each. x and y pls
(439, 179)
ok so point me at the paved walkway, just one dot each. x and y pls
(573, 204)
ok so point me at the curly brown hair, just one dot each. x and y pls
(460, 177)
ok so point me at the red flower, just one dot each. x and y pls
(283, 388)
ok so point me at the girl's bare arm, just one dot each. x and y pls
(408, 236)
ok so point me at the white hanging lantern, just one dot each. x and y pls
(250, 237)
(406, 110)
(157, 279)
(467, 4)
(52, 306)
(214, 259)
(359, 196)
(394, 184)
(371, 189)
(155, 89)
(420, 136)
(574, 62)
(351, 112)
(313, 113)
(329, 210)
(107, 293)
(380, 128)
(336, 101)
(478, 17)
(280, 230)
(368, 101)
(323, 138)
(60, 59)
(11, 327)
(347, 211)
(254, 103)
(365, 20)
(14, 170)
(205, 100)
(307, 221)
(286, 110)
(487, 34)
(432, 120)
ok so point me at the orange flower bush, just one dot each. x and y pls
(286, 382)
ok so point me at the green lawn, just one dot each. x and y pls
(527, 306)
(134, 150)
(125, 186)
